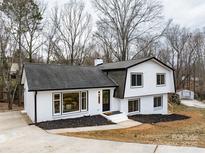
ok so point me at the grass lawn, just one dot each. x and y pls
(188, 132)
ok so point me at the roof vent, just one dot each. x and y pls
(98, 62)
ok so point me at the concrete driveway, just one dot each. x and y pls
(193, 103)
(17, 136)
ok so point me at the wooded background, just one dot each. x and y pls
(124, 30)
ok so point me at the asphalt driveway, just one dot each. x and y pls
(17, 136)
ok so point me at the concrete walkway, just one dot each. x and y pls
(16, 136)
(121, 125)
(193, 103)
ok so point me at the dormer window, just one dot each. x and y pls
(160, 79)
(136, 79)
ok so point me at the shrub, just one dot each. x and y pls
(174, 98)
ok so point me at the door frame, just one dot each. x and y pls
(106, 108)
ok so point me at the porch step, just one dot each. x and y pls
(116, 118)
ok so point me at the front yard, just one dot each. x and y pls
(189, 130)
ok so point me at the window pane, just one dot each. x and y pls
(70, 102)
(84, 101)
(56, 96)
(139, 80)
(162, 79)
(56, 107)
(133, 80)
(158, 79)
(133, 106)
(106, 96)
(157, 101)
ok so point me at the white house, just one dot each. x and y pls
(132, 87)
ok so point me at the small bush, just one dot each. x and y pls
(174, 98)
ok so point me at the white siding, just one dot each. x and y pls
(149, 70)
(45, 108)
(28, 101)
(146, 105)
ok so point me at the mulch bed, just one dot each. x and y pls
(158, 118)
(97, 120)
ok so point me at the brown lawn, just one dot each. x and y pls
(189, 132)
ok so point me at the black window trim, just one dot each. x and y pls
(161, 85)
(139, 105)
(137, 73)
(158, 107)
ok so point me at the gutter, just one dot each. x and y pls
(35, 107)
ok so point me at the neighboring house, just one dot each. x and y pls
(14, 70)
(132, 87)
(186, 94)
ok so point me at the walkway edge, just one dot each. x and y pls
(122, 125)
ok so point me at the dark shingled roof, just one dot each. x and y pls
(128, 64)
(123, 64)
(43, 77)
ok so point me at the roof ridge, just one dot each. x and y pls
(131, 60)
(57, 65)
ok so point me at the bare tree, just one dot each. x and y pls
(178, 38)
(51, 34)
(74, 30)
(5, 49)
(128, 21)
(33, 30)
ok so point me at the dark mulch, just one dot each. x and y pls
(158, 118)
(97, 120)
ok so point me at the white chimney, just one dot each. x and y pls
(98, 61)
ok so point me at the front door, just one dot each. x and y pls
(106, 100)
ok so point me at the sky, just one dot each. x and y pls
(187, 13)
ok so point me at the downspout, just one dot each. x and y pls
(35, 107)
(174, 81)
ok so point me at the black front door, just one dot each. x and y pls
(106, 100)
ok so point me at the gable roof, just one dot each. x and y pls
(118, 72)
(45, 77)
(129, 63)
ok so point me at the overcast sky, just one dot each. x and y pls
(188, 13)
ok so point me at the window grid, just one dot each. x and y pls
(158, 101)
(136, 79)
(160, 79)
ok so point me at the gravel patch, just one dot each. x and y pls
(97, 120)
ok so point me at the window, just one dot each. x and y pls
(106, 100)
(134, 105)
(71, 102)
(160, 79)
(83, 101)
(99, 96)
(56, 104)
(136, 79)
(158, 101)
